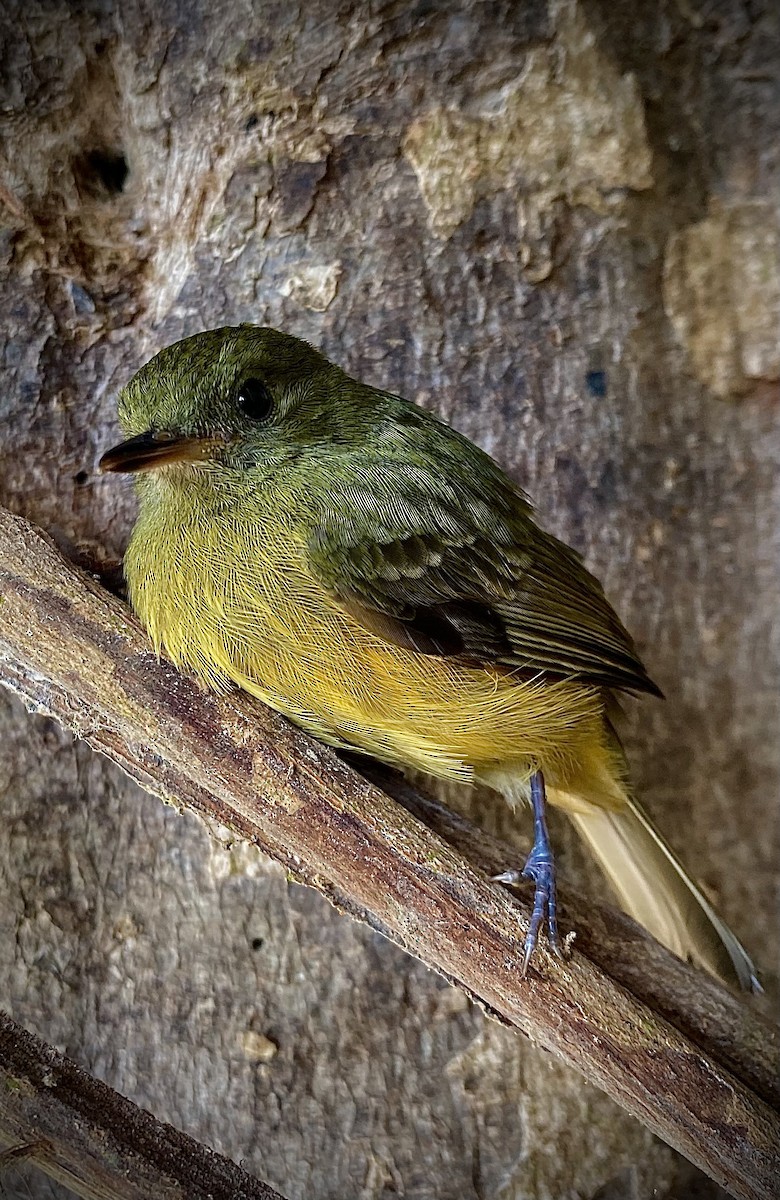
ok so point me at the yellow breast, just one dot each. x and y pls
(236, 603)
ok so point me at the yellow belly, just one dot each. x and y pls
(254, 617)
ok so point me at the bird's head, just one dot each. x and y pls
(232, 398)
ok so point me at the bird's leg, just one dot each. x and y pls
(539, 866)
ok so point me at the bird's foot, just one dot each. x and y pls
(540, 867)
(542, 870)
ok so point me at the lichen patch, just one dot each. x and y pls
(314, 285)
(570, 126)
(722, 294)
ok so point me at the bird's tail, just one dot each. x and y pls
(654, 888)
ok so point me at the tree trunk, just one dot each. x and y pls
(555, 225)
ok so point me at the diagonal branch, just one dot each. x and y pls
(85, 1135)
(701, 1073)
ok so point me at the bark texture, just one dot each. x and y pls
(555, 224)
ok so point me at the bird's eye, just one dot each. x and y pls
(254, 399)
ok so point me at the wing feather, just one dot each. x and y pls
(451, 562)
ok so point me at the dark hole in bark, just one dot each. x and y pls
(104, 170)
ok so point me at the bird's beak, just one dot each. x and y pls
(157, 449)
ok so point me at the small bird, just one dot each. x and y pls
(366, 570)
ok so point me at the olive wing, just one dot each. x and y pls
(453, 566)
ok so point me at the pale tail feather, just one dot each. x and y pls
(655, 889)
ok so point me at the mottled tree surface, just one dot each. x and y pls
(555, 225)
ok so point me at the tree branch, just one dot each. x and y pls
(85, 1135)
(674, 1048)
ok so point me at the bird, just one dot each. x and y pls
(363, 568)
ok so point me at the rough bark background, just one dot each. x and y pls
(557, 225)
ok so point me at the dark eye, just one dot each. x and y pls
(254, 399)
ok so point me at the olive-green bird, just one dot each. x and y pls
(373, 575)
